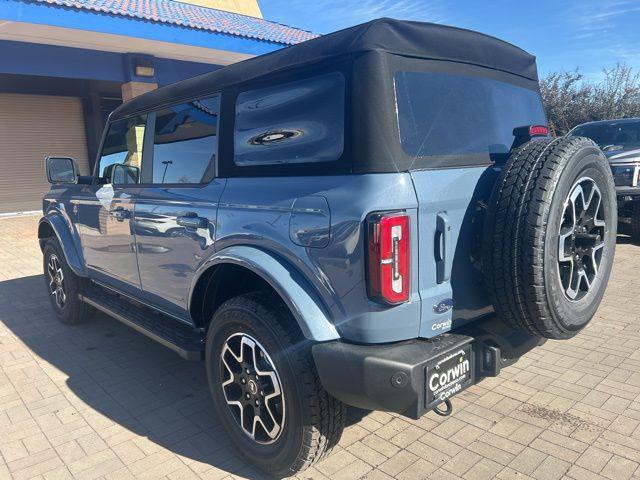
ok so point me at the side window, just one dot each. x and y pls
(185, 142)
(121, 155)
(296, 122)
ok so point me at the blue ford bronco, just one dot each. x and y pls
(376, 218)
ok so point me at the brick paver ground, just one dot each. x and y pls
(99, 400)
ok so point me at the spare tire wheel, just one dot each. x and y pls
(549, 236)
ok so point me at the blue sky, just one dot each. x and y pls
(563, 34)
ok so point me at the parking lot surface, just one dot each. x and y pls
(99, 400)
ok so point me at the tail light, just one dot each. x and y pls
(389, 257)
(522, 135)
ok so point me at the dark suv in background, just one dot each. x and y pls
(376, 217)
(620, 142)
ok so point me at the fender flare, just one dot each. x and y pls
(286, 281)
(58, 224)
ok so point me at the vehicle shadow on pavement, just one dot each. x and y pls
(114, 376)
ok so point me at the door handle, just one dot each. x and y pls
(442, 248)
(120, 214)
(191, 220)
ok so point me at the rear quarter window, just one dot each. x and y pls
(291, 123)
(444, 115)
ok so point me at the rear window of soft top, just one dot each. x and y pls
(445, 115)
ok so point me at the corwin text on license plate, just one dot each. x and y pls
(448, 375)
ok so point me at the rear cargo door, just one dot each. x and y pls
(455, 126)
(449, 217)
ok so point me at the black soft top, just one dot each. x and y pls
(402, 38)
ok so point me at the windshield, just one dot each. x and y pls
(611, 135)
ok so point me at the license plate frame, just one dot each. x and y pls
(448, 374)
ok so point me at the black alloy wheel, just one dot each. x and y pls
(581, 238)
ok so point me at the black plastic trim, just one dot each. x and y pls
(392, 377)
(368, 376)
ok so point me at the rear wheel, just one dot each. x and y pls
(549, 236)
(265, 388)
(62, 285)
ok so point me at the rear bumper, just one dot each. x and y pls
(627, 191)
(393, 377)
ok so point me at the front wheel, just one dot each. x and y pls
(265, 387)
(62, 285)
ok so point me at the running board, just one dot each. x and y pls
(179, 337)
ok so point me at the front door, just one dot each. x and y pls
(175, 215)
(106, 208)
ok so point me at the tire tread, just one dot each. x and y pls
(515, 231)
(327, 415)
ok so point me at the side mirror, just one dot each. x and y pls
(61, 169)
(124, 174)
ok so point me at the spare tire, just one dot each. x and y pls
(549, 236)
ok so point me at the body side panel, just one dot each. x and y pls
(61, 213)
(287, 282)
(256, 212)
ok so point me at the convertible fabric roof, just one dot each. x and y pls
(403, 38)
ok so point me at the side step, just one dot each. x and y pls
(164, 329)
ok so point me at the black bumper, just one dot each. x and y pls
(393, 377)
(627, 191)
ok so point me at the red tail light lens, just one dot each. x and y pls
(389, 257)
(538, 130)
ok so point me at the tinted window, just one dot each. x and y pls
(123, 146)
(614, 134)
(185, 142)
(297, 122)
(451, 115)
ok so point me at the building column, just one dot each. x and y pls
(140, 75)
(133, 89)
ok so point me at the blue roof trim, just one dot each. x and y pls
(21, 58)
(40, 13)
(189, 16)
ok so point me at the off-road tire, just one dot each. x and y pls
(634, 224)
(521, 235)
(74, 311)
(314, 420)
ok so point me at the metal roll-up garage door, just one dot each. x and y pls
(31, 127)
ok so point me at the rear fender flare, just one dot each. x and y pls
(66, 239)
(286, 281)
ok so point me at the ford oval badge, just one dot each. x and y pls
(443, 306)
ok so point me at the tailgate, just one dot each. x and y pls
(449, 221)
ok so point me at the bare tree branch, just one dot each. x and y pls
(569, 99)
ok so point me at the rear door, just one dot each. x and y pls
(175, 213)
(462, 125)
